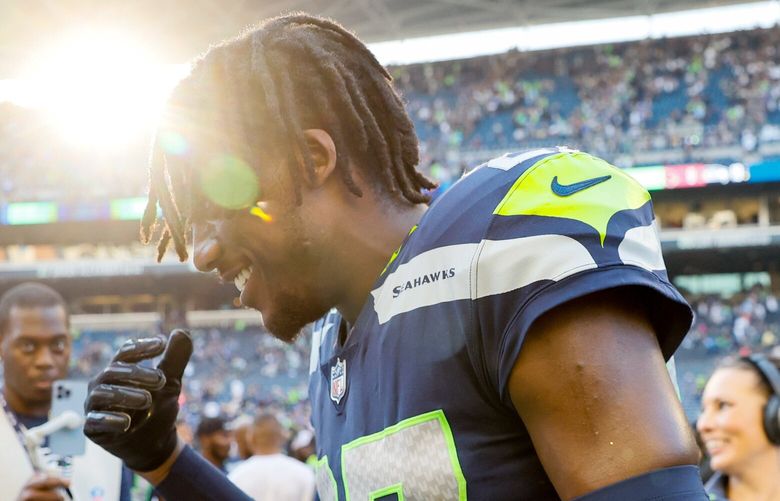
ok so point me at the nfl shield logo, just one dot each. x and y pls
(338, 380)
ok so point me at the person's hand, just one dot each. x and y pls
(131, 409)
(43, 487)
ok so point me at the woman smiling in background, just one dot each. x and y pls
(740, 427)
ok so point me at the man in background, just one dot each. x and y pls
(35, 351)
(35, 348)
(214, 439)
(269, 474)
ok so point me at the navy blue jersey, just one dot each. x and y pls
(414, 404)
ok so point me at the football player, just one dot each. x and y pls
(507, 342)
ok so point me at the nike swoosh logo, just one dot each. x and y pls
(567, 190)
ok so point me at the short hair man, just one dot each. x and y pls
(269, 474)
(214, 439)
(507, 343)
(35, 349)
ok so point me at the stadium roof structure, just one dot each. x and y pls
(184, 28)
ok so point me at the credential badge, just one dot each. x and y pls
(338, 380)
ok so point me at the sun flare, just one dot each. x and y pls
(101, 89)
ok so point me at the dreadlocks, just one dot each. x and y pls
(291, 73)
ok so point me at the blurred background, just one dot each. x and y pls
(684, 95)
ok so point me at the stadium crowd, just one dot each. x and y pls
(62, 171)
(745, 321)
(740, 324)
(651, 95)
(613, 100)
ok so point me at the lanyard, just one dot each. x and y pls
(19, 428)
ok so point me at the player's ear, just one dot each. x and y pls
(323, 155)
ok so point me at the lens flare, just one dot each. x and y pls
(230, 183)
(173, 143)
(258, 212)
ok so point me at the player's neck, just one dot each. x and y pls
(366, 250)
(25, 407)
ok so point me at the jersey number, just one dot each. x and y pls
(414, 459)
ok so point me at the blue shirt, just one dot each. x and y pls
(415, 403)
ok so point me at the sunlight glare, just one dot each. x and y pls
(101, 88)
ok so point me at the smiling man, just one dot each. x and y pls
(507, 342)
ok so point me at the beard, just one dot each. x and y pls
(295, 313)
(296, 304)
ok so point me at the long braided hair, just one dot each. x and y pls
(258, 93)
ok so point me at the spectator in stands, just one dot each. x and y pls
(269, 475)
(214, 439)
(35, 350)
(614, 100)
(740, 427)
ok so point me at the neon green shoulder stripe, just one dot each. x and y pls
(397, 251)
(574, 185)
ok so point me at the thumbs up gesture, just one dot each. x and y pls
(132, 409)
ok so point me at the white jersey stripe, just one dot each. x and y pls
(316, 341)
(641, 247)
(477, 270)
(506, 162)
(314, 355)
(506, 265)
(437, 276)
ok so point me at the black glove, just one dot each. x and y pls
(131, 410)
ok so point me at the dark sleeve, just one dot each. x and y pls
(192, 478)
(126, 485)
(678, 483)
(670, 314)
(545, 248)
